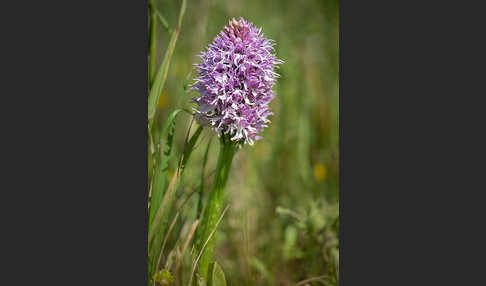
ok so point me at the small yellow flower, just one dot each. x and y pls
(320, 172)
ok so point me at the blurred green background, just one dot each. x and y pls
(282, 225)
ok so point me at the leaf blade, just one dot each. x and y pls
(216, 277)
(161, 77)
(162, 164)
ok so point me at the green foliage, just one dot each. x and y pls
(190, 147)
(290, 251)
(216, 275)
(159, 82)
(282, 225)
(158, 214)
(163, 278)
(162, 165)
(260, 267)
(160, 201)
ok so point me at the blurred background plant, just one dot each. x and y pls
(282, 224)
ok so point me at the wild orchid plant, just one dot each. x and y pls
(235, 83)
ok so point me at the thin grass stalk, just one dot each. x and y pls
(159, 80)
(215, 204)
(152, 41)
(158, 225)
(165, 241)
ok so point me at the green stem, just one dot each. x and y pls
(201, 188)
(152, 41)
(214, 207)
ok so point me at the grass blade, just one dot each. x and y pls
(159, 81)
(158, 196)
(162, 165)
(190, 146)
(159, 225)
(165, 241)
(152, 41)
(163, 21)
(162, 199)
(216, 275)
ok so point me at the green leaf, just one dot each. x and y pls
(200, 281)
(182, 11)
(159, 81)
(164, 277)
(290, 241)
(216, 275)
(260, 267)
(160, 78)
(158, 190)
(156, 230)
(150, 158)
(163, 21)
(152, 41)
(317, 217)
(163, 199)
(162, 165)
(190, 147)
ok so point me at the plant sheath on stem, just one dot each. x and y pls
(214, 205)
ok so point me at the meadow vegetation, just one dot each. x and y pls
(281, 207)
